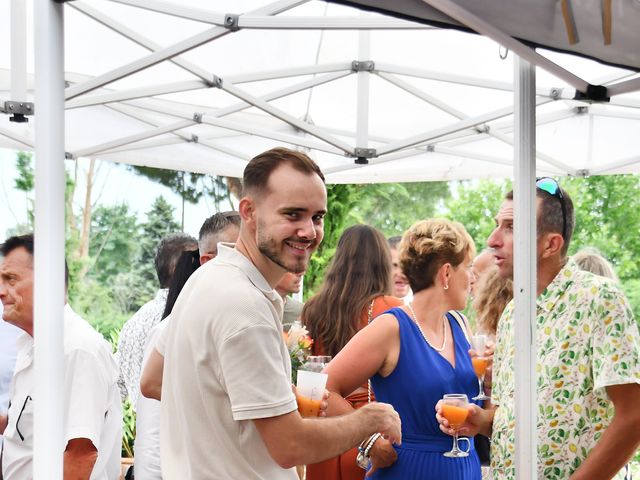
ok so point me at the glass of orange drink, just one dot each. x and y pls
(454, 409)
(480, 363)
(310, 391)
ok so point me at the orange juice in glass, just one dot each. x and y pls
(308, 407)
(454, 409)
(480, 363)
(310, 390)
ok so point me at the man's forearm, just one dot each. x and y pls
(616, 446)
(295, 441)
(79, 458)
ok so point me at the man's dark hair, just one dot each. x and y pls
(259, 169)
(213, 226)
(26, 242)
(167, 254)
(550, 218)
(394, 242)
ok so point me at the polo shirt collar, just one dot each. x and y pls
(556, 289)
(228, 254)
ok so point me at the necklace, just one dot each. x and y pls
(444, 331)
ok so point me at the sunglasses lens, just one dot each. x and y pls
(549, 185)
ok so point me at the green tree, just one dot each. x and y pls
(608, 218)
(25, 182)
(115, 239)
(192, 186)
(475, 206)
(160, 223)
(394, 207)
(341, 199)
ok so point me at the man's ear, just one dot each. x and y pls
(247, 208)
(552, 244)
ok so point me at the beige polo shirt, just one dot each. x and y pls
(225, 365)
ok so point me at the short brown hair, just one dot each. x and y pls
(550, 218)
(428, 245)
(259, 169)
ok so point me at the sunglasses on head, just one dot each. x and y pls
(549, 185)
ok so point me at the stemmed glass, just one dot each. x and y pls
(316, 363)
(454, 409)
(480, 363)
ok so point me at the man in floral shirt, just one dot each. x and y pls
(588, 346)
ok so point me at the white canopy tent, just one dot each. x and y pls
(372, 98)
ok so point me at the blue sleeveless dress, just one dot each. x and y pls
(421, 377)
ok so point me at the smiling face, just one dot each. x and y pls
(289, 218)
(400, 282)
(16, 289)
(501, 240)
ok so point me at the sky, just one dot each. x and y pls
(115, 184)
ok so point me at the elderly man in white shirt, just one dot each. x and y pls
(92, 414)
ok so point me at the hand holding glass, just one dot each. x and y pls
(454, 409)
(310, 389)
(480, 363)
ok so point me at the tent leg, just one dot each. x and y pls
(49, 245)
(525, 268)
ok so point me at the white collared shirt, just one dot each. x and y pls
(91, 400)
(226, 364)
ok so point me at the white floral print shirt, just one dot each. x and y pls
(133, 338)
(587, 339)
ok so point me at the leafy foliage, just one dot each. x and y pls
(190, 186)
(341, 199)
(114, 241)
(475, 207)
(160, 223)
(394, 207)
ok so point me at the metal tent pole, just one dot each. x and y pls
(525, 268)
(49, 244)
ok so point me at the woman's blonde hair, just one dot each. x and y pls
(491, 297)
(428, 245)
(590, 260)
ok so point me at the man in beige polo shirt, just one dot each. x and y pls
(228, 411)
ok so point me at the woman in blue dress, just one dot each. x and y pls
(417, 353)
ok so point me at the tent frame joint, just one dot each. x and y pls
(194, 139)
(555, 93)
(363, 155)
(216, 82)
(197, 117)
(232, 21)
(68, 156)
(583, 173)
(594, 94)
(363, 66)
(18, 110)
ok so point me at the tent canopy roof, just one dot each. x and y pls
(372, 98)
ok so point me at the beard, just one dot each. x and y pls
(269, 248)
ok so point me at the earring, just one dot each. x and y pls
(446, 287)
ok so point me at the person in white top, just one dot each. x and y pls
(220, 227)
(8, 352)
(134, 333)
(92, 410)
(228, 410)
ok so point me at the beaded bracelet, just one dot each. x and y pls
(362, 460)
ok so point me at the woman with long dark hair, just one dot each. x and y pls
(356, 289)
